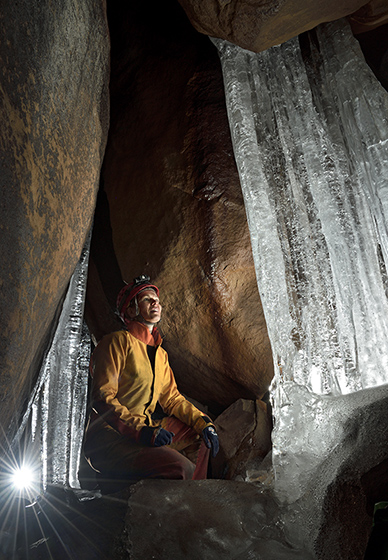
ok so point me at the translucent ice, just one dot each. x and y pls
(309, 126)
(53, 425)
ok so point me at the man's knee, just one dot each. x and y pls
(183, 470)
(163, 462)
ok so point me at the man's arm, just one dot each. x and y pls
(175, 404)
(106, 365)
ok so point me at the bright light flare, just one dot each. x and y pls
(23, 477)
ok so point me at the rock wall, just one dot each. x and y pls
(172, 194)
(54, 121)
(171, 207)
(257, 25)
(170, 177)
(176, 207)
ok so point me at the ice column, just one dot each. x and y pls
(53, 425)
(309, 126)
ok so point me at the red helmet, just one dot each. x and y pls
(131, 290)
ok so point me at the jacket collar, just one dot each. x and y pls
(141, 332)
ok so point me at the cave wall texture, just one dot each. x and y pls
(54, 107)
(170, 203)
(172, 192)
(176, 206)
(258, 25)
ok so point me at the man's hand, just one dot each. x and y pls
(210, 438)
(163, 437)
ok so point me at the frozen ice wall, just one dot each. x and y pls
(51, 432)
(308, 121)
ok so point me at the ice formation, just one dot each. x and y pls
(308, 121)
(309, 126)
(52, 428)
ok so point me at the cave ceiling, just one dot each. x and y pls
(257, 25)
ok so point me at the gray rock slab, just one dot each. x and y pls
(210, 519)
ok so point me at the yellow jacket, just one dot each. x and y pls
(126, 389)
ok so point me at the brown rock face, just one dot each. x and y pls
(244, 431)
(372, 15)
(176, 207)
(54, 115)
(257, 25)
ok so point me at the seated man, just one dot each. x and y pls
(131, 381)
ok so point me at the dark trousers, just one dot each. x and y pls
(116, 456)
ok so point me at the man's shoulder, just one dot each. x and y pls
(119, 337)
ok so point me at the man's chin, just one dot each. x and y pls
(150, 321)
(154, 319)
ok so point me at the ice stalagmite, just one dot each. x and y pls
(309, 126)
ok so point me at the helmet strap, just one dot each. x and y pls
(137, 310)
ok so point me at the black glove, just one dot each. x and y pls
(210, 438)
(163, 437)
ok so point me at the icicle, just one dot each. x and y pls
(308, 121)
(54, 421)
(311, 147)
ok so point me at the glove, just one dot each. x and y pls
(163, 437)
(210, 438)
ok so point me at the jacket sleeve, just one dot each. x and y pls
(175, 404)
(107, 362)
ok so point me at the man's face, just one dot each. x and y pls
(149, 306)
